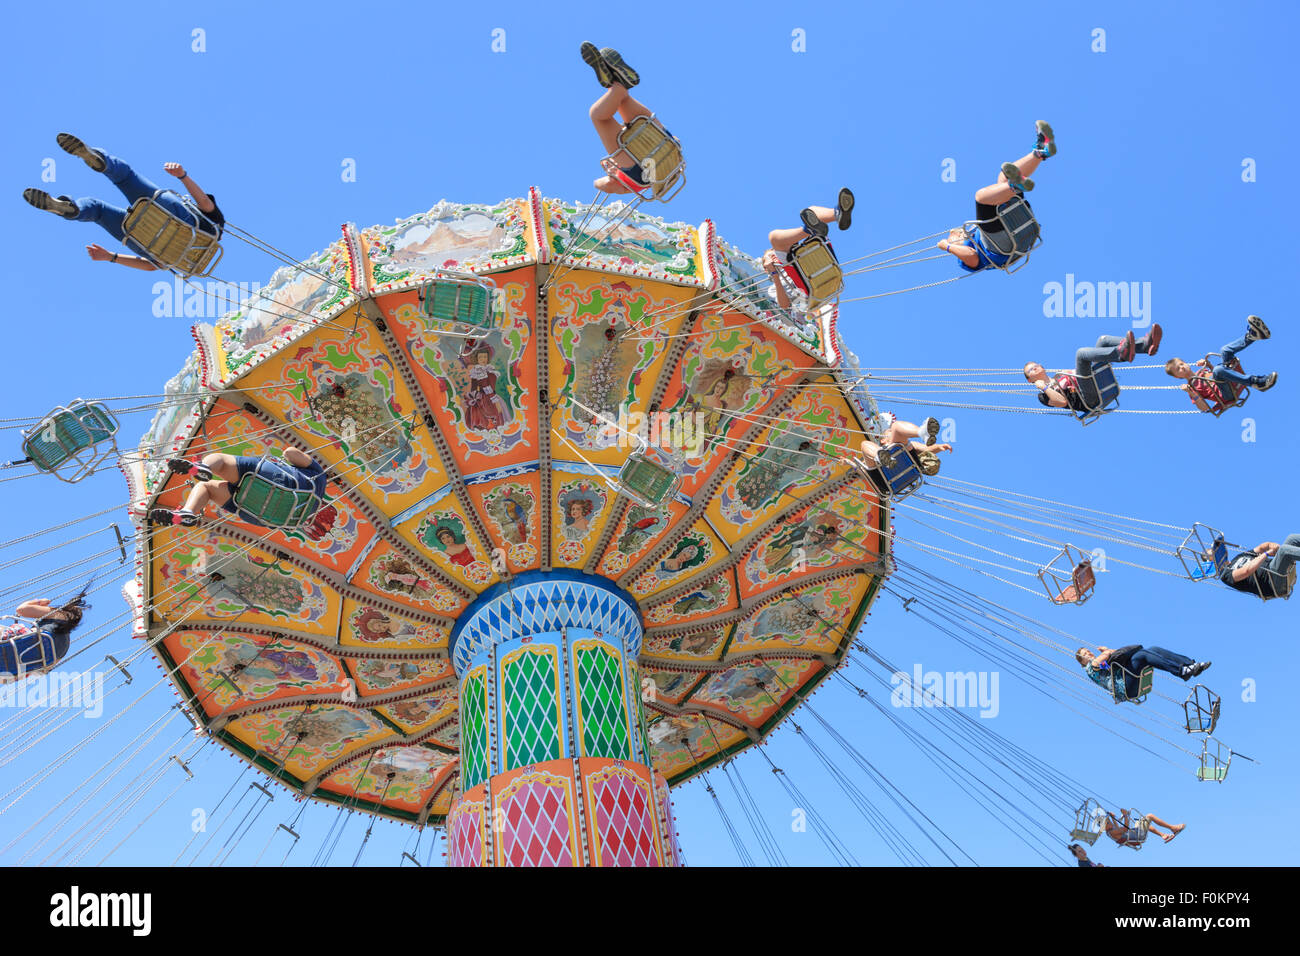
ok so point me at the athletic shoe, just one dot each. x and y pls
(591, 56)
(1045, 144)
(63, 206)
(93, 157)
(621, 72)
(1152, 338)
(1128, 348)
(189, 469)
(884, 459)
(931, 426)
(1016, 179)
(812, 225)
(1256, 329)
(186, 519)
(1200, 667)
(845, 207)
(1266, 382)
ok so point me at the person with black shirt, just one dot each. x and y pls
(1078, 392)
(1133, 659)
(1263, 571)
(133, 187)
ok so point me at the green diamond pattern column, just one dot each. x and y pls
(602, 706)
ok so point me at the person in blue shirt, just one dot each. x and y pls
(622, 172)
(219, 474)
(133, 187)
(990, 245)
(26, 650)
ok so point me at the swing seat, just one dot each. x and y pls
(1072, 586)
(71, 434)
(1214, 763)
(1203, 553)
(1107, 388)
(1019, 237)
(1119, 684)
(648, 482)
(170, 241)
(273, 504)
(1231, 396)
(458, 298)
(1283, 584)
(1085, 836)
(904, 477)
(1201, 710)
(817, 266)
(28, 654)
(1086, 828)
(658, 154)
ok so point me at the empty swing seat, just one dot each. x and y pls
(1214, 761)
(1069, 578)
(647, 481)
(455, 298)
(1087, 822)
(818, 268)
(658, 154)
(273, 504)
(1201, 710)
(1203, 553)
(169, 240)
(1107, 389)
(71, 434)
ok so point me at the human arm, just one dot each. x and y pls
(39, 608)
(773, 268)
(933, 449)
(100, 254)
(200, 198)
(962, 250)
(1254, 564)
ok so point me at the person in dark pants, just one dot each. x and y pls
(1134, 658)
(1263, 571)
(133, 187)
(989, 246)
(1078, 392)
(1203, 382)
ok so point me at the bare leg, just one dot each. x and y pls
(602, 114)
(223, 466)
(1001, 191)
(900, 433)
(782, 239)
(297, 457)
(631, 107)
(1173, 828)
(215, 491)
(869, 451)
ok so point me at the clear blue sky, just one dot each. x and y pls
(1147, 187)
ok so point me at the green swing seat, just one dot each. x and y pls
(458, 298)
(273, 504)
(647, 481)
(71, 435)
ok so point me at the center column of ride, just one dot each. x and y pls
(554, 765)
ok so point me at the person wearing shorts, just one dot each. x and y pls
(816, 219)
(1132, 833)
(990, 246)
(219, 474)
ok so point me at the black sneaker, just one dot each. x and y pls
(1200, 667)
(1266, 382)
(812, 225)
(189, 469)
(1256, 329)
(93, 157)
(591, 56)
(845, 206)
(621, 72)
(1045, 139)
(186, 519)
(63, 206)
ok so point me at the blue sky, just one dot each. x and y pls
(1147, 187)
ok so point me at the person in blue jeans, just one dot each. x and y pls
(26, 650)
(1203, 381)
(622, 172)
(990, 246)
(1263, 571)
(1134, 658)
(133, 187)
(1078, 392)
(219, 474)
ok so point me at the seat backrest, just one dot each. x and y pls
(1018, 220)
(173, 243)
(904, 477)
(67, 432)
(457, 300)
(658, 154)
(1084, 577)
(272, 504)
(818, 266)
(648, 480)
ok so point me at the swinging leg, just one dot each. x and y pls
(1174, 828)
(615, 100)
(1001, 191)
(216, 491)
